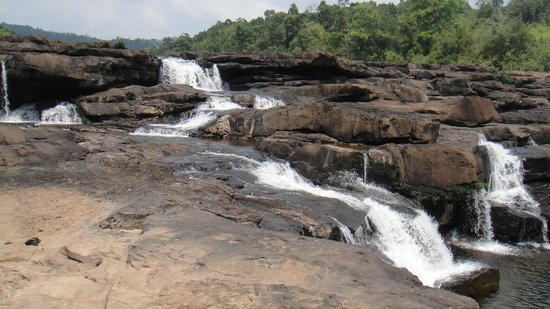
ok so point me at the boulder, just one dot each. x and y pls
(321, 163)
(464, 112)
(350, 122)
(517, 134)
(436, 166)
(479, 283)
(42, 70)
(140, 101)
(512, 226)
(536, 162)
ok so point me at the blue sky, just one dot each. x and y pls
(107, 19)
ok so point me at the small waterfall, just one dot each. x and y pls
(22, 114)
(365, 166)
(4, 89)
(505, 187)
(263, 102)
(216, 102)
(408, 239)
(346, 233)
(63, 113)
(179, 71)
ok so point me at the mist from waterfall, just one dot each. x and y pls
(62, 113)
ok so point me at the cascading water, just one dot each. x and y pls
(263, 102)
(180, 71)
(505, 187)
(408, 238)
(63, 113)
(4, 89)
(189, 72)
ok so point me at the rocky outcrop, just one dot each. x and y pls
(315, 156)
(513, 226)
(32, 146)
(351, 123)
(536, 162)
(41, 70)
(140, 102)
(480, 283)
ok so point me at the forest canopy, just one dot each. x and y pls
(512, 36)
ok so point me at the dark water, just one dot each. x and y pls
(524, 278)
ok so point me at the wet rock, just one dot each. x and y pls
(477, 284)
(536, 162)
(350, 122)
(512, 226)
(243, 98)
(33, 241)
(42, 70)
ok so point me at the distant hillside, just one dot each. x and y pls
(65, 37)
(72, 37)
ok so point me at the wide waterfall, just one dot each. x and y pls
(63, 113)
(406, 237)
(189, 72)
(179, 71)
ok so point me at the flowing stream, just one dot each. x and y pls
(406, 236)
(179, 71)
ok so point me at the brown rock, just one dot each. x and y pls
(480, 283)
(439, 166)
(41, 70)
(139, 102)
(345, 122)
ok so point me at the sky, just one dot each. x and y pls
(107, 19)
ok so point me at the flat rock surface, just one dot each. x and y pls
(184, 249)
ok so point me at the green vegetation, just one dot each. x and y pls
(516, 36)
(5, 31)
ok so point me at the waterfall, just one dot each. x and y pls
(263, 102)
(365, 166)
(505, 187)
(5, 99)
(408, 238)
(63, 113)
(179, 71)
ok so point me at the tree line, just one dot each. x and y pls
(512, 36)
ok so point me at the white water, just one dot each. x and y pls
(505, 187)
(63, 113)
(179, 71)
(216, 102)
(5, 98)
(263, 102)
(25, 113)
(408, 239)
